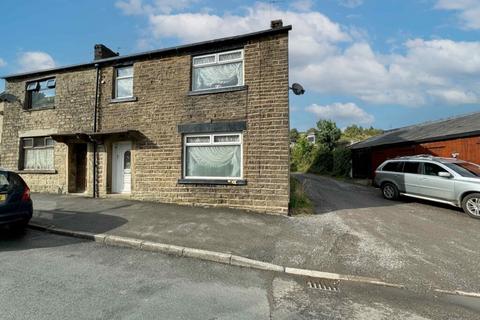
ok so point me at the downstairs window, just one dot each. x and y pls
(213, 156)
(37, 153)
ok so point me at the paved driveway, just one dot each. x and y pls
(414, 242)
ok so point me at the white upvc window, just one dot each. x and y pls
(38, 153)
(219, 70)
(213, 156)
(123, 82)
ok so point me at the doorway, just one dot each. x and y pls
(121, 167)
(77, 180)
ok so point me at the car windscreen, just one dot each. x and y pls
(4, 181)
(465, 169)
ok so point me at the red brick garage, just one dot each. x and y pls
(458, 137)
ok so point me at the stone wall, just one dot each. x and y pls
(1, 128)
(162, 86)
(73, 112)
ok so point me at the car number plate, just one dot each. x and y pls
(2, 197)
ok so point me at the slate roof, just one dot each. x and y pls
(187, 48)
(458, 127)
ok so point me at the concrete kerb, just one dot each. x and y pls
(337, 276)
(219, 257)
(459, 293)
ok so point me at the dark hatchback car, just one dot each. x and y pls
(16, 206)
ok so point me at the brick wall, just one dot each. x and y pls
(161, 86)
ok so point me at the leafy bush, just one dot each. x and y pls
(302, 155)
(341, 162)
(322, 162)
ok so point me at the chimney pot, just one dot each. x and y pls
(102, 52)
(275, 24)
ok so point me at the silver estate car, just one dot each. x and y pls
(445, 180)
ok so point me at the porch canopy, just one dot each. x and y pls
(98, 137)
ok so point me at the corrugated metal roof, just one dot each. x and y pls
(177, 49)
(462, 126)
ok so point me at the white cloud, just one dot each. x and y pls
(329, 58)
(138, 7)
(314, 35)
(468, 11)
(35, 60)
(350, 3)
(436, 71)
(2, 63)
(302, 5)
(342, 113)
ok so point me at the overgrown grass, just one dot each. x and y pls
(299, 202)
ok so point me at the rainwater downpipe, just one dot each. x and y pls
(95, 113)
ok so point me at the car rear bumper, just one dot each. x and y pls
(23, 214)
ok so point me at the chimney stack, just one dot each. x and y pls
(275, 24)
(103, 52)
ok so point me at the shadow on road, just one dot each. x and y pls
(14, 239)
(26, 239)
(95, 222)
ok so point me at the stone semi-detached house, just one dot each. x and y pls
(199, 124)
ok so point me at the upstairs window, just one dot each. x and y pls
(123, 82)
(41, 94)
(37, 153)
(219, 70)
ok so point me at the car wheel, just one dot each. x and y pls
(390, 191)
(471, 205)
(21, 225)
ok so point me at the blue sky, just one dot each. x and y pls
(368, 62)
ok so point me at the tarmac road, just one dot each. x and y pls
(45, 276)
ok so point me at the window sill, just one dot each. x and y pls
(238, 182)
(120, 100)
(219, 90)
(37, 171)
(38, 109)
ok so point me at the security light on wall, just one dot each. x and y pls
(297, 89)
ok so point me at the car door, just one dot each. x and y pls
(434, 186)
(411, 174)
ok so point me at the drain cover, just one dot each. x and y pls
(324, 284)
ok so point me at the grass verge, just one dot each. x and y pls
(300, 204)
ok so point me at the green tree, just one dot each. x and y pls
(328, 133)
(341, 162)
(303, 154)
(373, 132)
(356, 133)
(294, 135)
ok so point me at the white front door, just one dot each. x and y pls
(121, 167)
